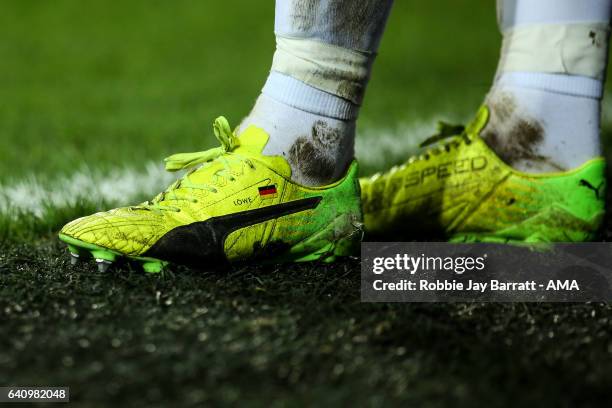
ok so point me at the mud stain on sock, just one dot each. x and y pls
(303, 14)
(312, 159)
(349, 19)
(324, 135)
(356, 18)
(515, 137)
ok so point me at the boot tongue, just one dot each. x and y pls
(479, 122)
(253, 140)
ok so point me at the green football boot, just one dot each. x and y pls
(234, 204)
(461, 190)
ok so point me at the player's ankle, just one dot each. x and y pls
(539, 131)
(545, 102)
(318, 148)
(309, 108)
(319, 74)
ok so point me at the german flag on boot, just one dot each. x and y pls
(267, 192)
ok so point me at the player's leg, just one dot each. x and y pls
(310, 102)
(528, 167)
(546, 98)
(284, 187)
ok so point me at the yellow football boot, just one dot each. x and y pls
(234, 204)
(461, 190)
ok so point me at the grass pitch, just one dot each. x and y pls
(115, 85)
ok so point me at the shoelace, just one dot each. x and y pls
(445, 131)
(180, 161)
(457, 134)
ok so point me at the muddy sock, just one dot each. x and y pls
(318, 148)
(309, 105)
(539, 131)
(545, 102)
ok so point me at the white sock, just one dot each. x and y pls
(545, 116)
(310, 102)
(304, 139)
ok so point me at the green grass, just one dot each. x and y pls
(105, 84)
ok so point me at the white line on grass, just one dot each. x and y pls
(376, 148)
(117, 187)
